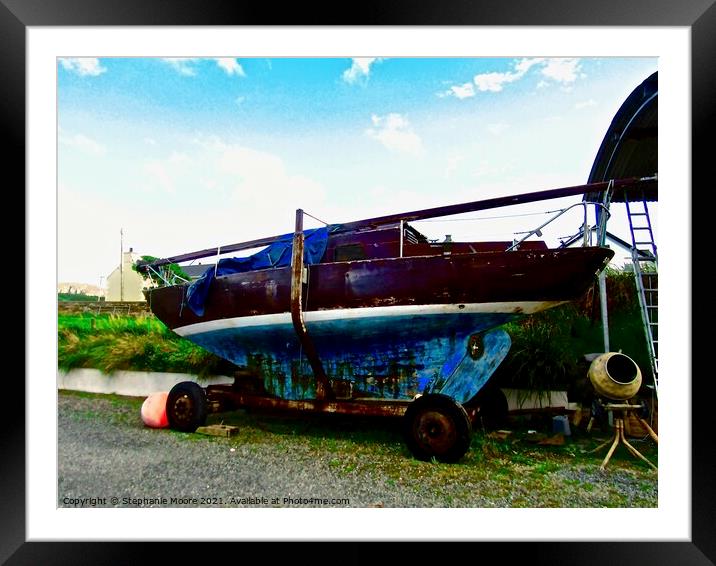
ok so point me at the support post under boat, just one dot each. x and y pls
(323, 387)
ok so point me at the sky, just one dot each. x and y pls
(184, 154)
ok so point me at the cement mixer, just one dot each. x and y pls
(615, 376)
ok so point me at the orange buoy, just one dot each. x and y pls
(154, 410)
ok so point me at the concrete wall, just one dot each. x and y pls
(131, 383)
(103, 307)
(522, 399)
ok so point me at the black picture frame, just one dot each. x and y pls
(17, 15)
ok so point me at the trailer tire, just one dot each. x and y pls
(187, 406)
(436, 426)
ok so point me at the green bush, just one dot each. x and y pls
(541, 358)
(170, 271)
(548, 348)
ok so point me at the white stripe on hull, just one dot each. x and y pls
(514, 307)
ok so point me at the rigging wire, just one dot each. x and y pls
(492, 217)
(315, 218)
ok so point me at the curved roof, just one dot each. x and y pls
(629, 148)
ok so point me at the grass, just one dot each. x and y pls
(110, 342)
(373, 450)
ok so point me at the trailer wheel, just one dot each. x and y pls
(436, 426)
(186, 406)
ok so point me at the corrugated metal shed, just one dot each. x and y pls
(629, 148)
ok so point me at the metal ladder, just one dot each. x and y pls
(645, 262)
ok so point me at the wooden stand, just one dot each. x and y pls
(619, 433)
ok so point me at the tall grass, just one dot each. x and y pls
(548, 348)
(111, 342)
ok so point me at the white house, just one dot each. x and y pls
(125, 284)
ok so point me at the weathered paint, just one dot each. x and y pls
(391, 357)
(465, 374)
(481, 278)
(362, 407)
(513, 307)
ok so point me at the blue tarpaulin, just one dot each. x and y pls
(277, 254)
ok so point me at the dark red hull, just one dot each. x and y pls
(549, 276)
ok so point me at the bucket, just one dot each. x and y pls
(560, 424)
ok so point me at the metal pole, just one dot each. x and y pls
(585, 228)
(323, 387)
(603, 218)
(603, 302)
(402, 228)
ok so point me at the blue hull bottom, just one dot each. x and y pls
(392, 357)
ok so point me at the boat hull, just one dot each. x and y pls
(389, 328)
(389, 352)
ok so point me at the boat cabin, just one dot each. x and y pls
(386, 242)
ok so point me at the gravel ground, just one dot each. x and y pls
(107, 458)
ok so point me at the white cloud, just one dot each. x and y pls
(231, 66)
(150, 141)
(182, 65)
(462, 91)
(236, 194)
(83, 143)
(452, 162)
(395, 133)
(498, 171)
(209, 143)
(83, 66)
(497, 129)
(561, 70)
(240, 100)
(493, 82)
(261, 176)
(168, 172)
(159, 174)
(564, 71)
(524, 65)
(360, 69)
(585, 104)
